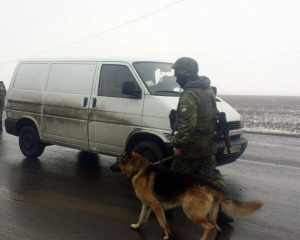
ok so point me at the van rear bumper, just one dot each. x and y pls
(220, 156)
(11, 126)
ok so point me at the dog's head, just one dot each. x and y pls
(129, 163)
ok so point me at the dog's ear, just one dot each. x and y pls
(128, 152)
(134, 154)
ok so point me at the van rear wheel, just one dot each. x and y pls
(30, 143)
(149, 150)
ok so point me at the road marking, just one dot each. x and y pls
(275, 145)
(269, 164)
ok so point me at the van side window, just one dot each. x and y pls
(31, 76)
(112, 79)
(75, 78)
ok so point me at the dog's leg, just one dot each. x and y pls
(215, 235)
(160, 214)
(206, 225)
(197, 207)
(146, 210)
(208, 228)
(213, 214)
(201, 219)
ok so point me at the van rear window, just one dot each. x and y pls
(31, 76)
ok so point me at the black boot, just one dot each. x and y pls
(222, 218)
(169, 213)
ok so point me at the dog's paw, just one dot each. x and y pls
(135, 226)
(169, 235)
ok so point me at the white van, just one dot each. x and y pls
(101, 105)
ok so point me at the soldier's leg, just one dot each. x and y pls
(184, 164)
(207, 168)
(1, 115)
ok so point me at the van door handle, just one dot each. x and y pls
(94, 102)
(85, 101)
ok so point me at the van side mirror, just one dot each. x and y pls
(129, 88)
(214, 90)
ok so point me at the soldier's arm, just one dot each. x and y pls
(186, 120)
(214, 99)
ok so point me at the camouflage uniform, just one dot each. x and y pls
(2, 101)
(195, 125)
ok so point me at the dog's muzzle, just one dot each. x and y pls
(115, 167)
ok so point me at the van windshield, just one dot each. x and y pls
(159, 78)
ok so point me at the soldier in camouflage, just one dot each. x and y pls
(2, 101)
(195, 124)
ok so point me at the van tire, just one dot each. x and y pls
(30, 142)
(149, 150)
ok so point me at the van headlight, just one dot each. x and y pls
(241, 122)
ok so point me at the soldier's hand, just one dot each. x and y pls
(176, 151)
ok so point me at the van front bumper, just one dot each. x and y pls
(225, 158)
(221, 157)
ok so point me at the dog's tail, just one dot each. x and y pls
(240, 210)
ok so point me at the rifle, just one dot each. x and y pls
(222, 130)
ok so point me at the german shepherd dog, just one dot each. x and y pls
(160, 189)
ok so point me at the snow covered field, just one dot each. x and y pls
(268, 114)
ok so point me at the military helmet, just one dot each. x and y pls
(186, 66)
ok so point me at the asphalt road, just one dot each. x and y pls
(71, 195)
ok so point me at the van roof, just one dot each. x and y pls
(92, 59)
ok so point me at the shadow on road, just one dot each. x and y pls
(88, 166)
(31, 164)
(88, 161)
(31, 176)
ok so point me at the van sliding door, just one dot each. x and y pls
(66, 103)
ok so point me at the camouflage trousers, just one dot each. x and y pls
(205, 167)
(1, 116)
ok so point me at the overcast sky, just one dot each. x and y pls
(243, 46)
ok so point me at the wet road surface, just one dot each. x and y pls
(68, 194)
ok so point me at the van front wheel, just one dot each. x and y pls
(149, 150)
(30, 143)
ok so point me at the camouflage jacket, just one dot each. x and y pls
(195, 119)
(2, 93)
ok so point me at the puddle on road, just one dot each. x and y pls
(66, 203)
(13, 196)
